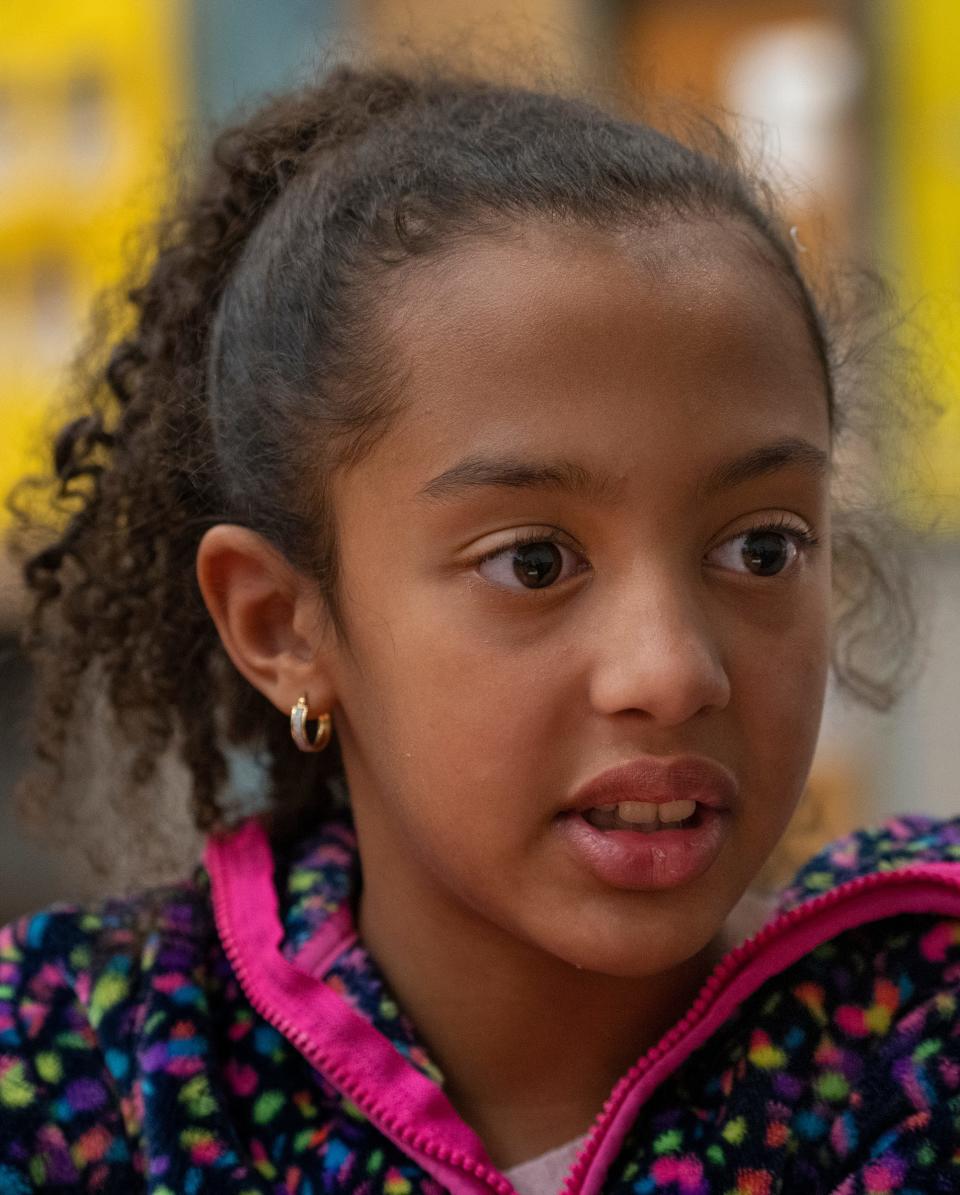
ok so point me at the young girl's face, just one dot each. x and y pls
(635, 407)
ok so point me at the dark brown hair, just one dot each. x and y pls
(254, 366)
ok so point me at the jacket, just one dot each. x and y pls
(231, 1034)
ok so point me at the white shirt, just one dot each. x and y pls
(544, 1175)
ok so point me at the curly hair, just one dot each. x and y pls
(252, 367)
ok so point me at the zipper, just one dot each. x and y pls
(391, 1124)
(724, 972)
(921, 877)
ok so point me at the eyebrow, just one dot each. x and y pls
(511, 472)
(767, 458)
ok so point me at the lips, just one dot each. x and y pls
(636, 859)
(658, 779)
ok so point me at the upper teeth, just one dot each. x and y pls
(646, 811)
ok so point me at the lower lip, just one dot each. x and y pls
(637, 859)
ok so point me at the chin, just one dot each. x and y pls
(633, 955)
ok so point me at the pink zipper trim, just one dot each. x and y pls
(354, 1056)
(926, 888)
(401, 1101)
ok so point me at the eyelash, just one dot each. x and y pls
(805, 540)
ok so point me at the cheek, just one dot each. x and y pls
(457, 715)
(493, 711)
(781, 690)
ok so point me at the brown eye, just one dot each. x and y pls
(766, 553)
(537, 565)
(530, 563)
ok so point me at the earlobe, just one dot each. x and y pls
(260, 604)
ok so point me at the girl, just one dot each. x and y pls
(470, 461)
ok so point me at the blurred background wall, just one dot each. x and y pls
(855, 105)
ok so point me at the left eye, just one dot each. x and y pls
(536, 564)
(765, 551)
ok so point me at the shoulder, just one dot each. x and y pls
(81, 950)
(852, 1054)
(898, 971)
(907, 840)
(880, 996)
(73, 986)
(880, 1002)
(879, 1006)
(46, 968)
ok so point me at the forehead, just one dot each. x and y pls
(682, 341)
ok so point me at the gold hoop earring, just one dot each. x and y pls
(299, 716)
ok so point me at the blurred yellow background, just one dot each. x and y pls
(853, 104)
(91, 94)
(856, 104)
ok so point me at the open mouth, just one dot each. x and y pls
(645, 816)
(623, 845)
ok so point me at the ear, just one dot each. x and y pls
(271, 619)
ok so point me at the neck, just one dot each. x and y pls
(530, 1045)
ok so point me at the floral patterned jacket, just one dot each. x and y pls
(231, 1034)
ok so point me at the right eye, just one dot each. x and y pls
(530, 562)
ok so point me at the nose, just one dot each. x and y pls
(658, 654)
